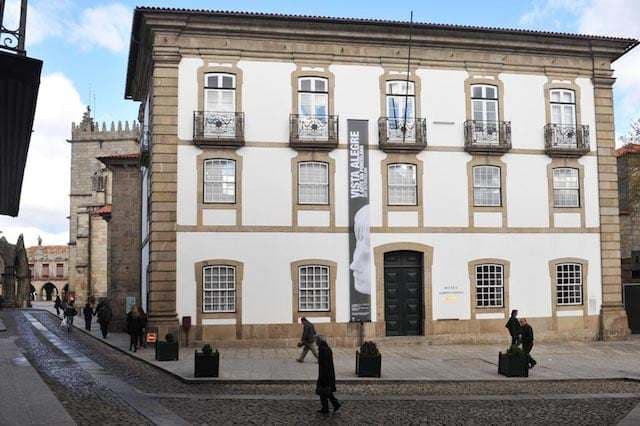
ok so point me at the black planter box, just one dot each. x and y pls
(513, 365)
(368, 366)
(207, 365)
(167, 351)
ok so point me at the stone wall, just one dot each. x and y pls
(124, 240)
(629, 177)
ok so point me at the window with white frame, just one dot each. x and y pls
(487, 191)
(401, 111)
(402, 185)
(220, 104)
(220, 181)
(220, 92)
(489, 286)
(313, 96)
(313, 107)
(484, 110)
(218, 289)
(313, 182)
(566, 187)
(563, 107)
(313, 292)
(569, 284)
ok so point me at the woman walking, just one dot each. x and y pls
(326, 384)
(133, 327)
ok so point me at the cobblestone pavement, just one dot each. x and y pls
(93, 401)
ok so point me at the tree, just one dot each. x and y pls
(634, 133)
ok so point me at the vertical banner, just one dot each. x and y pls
(359, 238)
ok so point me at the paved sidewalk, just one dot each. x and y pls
(24, 398)
(402, 361)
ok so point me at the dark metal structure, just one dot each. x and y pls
(19, 84)
(313, 131)
(487, 137)
(217, 128)
(566, 140)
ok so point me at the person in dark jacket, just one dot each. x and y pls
(526, 337)
(104, 314)
(69, 313)
(87, 311)
(307, 341)
(134, 325)
(514, 327)
(326, 384)
(57, 304)
(143, 327)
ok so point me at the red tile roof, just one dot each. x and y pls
(630, 148)
(104, 210)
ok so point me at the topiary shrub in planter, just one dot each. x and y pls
(207, 362)
(513, 363)
(368, 360)
(168, 350)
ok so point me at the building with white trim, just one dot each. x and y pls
(491, 173)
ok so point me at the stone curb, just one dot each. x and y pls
(351, 381)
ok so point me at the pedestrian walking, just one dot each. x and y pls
(143, 327)
(326, 384)
(88, 313)
(57, 304)
(69, 313)
(513, 325)
(526, 337)
(307, 341)
(134, 325)
(104, 314)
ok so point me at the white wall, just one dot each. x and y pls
(527, 190)
(187, 185)
(357, 96)
(187, 95)
(445, 188)
(524, 107)
(266, 192)
(267, 257)
(443, 105)
(266, 100)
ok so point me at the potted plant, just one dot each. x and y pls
(167, 350)
(368, 360)
(513, 363)
(207, 362)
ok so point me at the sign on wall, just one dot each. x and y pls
(359, 236)
(452, 302)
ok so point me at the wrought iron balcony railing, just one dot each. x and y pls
(218, 128)
(566, 140)
(402, 135)
(145, 145)
(488, 137)
(313, 131)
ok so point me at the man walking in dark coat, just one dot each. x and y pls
(526, 336)
(87, 311)
(104, 313)
(514, 327)
(326, 384)
(307, 340)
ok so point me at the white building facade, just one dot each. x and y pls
(489, 176)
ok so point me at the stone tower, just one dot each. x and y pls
(90, 201)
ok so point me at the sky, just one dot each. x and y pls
(84, 45)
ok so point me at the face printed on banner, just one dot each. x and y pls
(361, 265)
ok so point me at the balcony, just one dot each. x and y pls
(562, 140)
(397, 134)
(316, 132)
(218, 129)
(487, 137)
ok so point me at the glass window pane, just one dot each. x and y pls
(305, 84)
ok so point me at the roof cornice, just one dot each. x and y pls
(148, 20)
